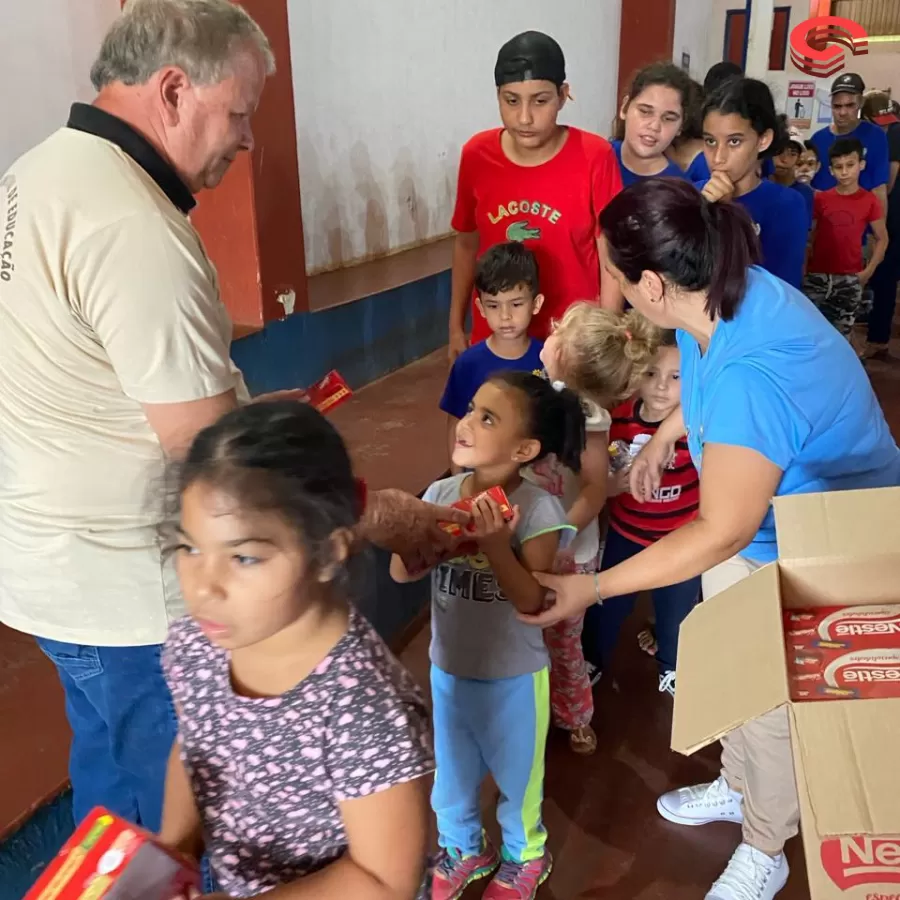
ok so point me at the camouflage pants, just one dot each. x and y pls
(838, 297)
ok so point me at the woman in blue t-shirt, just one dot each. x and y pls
(651, 116)
(774, 402)
(740, 128)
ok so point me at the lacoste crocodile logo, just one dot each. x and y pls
(521, 231)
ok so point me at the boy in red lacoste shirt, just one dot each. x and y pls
(533, 181)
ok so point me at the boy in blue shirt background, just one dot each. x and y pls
(786, 171)
(506, 281)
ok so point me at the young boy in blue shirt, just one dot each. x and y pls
(786, 171)
(506, 280)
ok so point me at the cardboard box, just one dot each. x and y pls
(836, 549)
(109, 859)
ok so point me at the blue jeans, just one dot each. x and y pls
(123, 725)
(671, 604)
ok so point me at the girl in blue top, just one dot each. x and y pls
(651, 117)
(741, 127)
(774, 402)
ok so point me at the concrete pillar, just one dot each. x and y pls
(759, 37)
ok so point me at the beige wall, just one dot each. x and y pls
(387, 93)
(46, 51)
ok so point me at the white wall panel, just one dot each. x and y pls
(387, 93)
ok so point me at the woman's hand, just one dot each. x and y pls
(719, 187)
(572, 595)
(490, 527)
(647, 469)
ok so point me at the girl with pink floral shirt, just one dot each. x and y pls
(303, 745)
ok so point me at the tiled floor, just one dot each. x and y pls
(605, 834)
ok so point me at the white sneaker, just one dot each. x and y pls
(701, 804)
(667, 683)
(751, 875)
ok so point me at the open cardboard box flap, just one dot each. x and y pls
(838, 525)
(840, 547)
(849, 760)
(731, 662)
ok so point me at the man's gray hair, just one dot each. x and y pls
(198, 36)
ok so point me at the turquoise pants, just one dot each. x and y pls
(497, 727)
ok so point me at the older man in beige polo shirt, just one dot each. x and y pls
(115, 352)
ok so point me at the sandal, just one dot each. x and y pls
(583, 741)
(647, 641)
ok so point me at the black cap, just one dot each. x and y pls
(848, 83)
(530, 56)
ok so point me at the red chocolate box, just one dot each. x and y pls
(109, 859)
(329, 393)
(850, 627)
(829, 674)
(416, 567)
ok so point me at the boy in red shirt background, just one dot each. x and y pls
(836, 274)
(533, 181)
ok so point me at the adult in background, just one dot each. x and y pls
(535, 181)
(774, 402)
(880, 111)
(846, 101)
(115, 354)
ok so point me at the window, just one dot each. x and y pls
(780, 31)
(736, 37)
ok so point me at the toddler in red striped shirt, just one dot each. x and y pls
(634, 525)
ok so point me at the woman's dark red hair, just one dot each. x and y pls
(664, 225)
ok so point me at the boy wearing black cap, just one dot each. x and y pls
(846, 100)
(534, 181)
